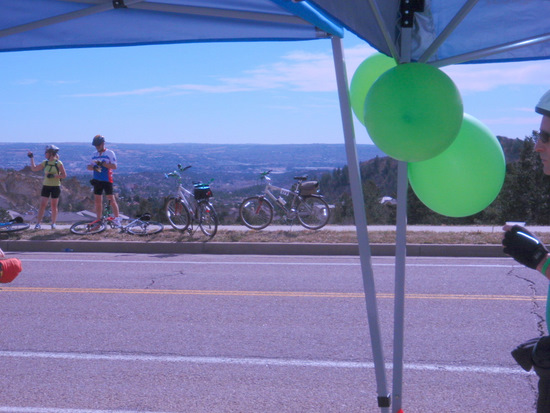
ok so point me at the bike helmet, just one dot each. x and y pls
(543, 107)
(98, 140)
(52, 148)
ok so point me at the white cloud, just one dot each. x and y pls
(528, 120)
(485, 77)
(303, 71)
(298, 71)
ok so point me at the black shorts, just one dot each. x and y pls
(100, 186)
(53, 191)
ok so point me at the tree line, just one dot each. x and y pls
(525, 195)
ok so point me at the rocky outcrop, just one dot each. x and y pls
(20, 191)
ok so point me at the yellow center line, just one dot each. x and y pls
(412, 296)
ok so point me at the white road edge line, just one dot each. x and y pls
(325, 264)
(254, 361)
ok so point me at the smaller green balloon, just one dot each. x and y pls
(366, 74)
(466, 178)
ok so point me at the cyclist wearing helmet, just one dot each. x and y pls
(527, 249)
(103, 163)
(54, 172)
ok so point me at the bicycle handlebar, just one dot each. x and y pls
(183, 169)
(264, 174)
(175, 174)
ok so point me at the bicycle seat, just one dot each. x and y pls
(145, 217)
(300, 178)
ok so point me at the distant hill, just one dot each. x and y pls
(207, 159)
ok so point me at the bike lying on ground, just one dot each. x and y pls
(13, 225)
(188, 210)
(302, 202)
(141, 225)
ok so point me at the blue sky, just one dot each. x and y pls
(267, 92)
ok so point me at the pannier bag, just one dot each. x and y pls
(202, 191)
(309, 188)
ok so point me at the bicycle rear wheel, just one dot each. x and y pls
(256, 212)
(13, 226)
(313, 212)
(208, 219)
(88, 227)
(177, 214)
(145, 228)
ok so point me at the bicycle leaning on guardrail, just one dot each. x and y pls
(141, 225)
(188, 210)
(302, 201)
(13, 225)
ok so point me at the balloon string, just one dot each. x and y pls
(548, 310)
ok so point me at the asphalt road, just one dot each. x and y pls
(94, 333)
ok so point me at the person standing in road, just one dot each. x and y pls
(54, 172)
(528, 250)
(103, 163)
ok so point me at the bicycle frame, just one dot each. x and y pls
(287, 206)
(195, 205)
(185, 195)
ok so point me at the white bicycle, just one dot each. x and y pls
(188, 210)
(302, 201)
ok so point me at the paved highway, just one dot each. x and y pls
(124, 333)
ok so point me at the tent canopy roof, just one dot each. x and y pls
(443, 31)
(451, 31)
(50, 24)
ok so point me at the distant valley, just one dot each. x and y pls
(227, 164)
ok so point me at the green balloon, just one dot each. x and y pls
(366, 74)
(465, 178)
(413, 112)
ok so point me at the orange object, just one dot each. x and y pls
(9, 269)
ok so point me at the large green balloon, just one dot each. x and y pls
(363, 78)
(465, 178)
(413, 112)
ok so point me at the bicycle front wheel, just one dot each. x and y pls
(177, 214)
(256, 212)
(208, 219)
(145, 228)
(88, 227)
(313, 212)
(13, 226)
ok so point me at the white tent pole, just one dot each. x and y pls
(400, 257)
(383, 29)
(222, 13)
(462, 13)
(399, 288)
(506, 47)
(361, 224)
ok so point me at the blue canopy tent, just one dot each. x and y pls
(50, 24)
(438, 32)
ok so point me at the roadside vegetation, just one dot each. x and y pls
(285, 236)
